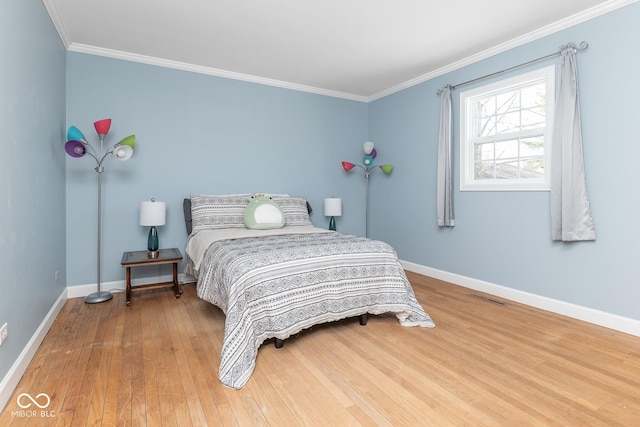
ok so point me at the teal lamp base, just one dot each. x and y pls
(332, 224)
(152, 243)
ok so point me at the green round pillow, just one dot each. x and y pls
(263, 213)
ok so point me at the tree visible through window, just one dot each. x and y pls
(506, 134)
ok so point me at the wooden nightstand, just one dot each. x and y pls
(141, 258)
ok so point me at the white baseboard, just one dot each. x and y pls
(600, 318)
(11, 380)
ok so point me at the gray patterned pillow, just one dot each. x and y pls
(210, 212)
(294, 209)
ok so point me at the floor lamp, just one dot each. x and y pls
(77, 146)
(369, 155)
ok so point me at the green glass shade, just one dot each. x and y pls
(130, 141)
(387, 169)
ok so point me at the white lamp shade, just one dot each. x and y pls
(333, 206)
(152, 213)
(368, 147)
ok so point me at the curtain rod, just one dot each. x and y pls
(583, 46)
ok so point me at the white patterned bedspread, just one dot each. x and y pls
(274, 286)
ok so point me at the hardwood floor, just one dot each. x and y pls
(155, 363)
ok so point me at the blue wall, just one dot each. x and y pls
(204, 134)
(32, 171)
(196, 134)
(504, 237)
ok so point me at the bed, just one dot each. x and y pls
(276, 282)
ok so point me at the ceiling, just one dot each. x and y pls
(356, 49)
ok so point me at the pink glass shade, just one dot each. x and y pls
(75, 148)
(102, 126)
(347, 166)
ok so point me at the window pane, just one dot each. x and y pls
(508, 101)
(532, 168)
(533, 96)
(484, 170)
(486, 126)
(533, 118)
(508, 123)
(484, 152)
(532, 147)
(486, 106)
(507, 149)
(507, 170)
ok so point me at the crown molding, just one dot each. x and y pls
(503, 47)
(150, 60)
(519, 41)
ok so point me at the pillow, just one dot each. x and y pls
(263, 213)
(212, 212)
(295, 210)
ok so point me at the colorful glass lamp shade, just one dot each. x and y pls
(102, 126)
(370, 154)
(153, 214)
(77, 146)
(74, 134)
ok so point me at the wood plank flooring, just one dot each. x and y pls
(155, 363)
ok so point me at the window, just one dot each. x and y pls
(505, 133)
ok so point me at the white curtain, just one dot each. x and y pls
(570, 215)
(446, 217)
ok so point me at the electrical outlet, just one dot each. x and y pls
(4, 333)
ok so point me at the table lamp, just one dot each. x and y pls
(152, 214)
(332, 208)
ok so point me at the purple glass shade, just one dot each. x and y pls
(75, 148)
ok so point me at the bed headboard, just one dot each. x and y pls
(188, 221)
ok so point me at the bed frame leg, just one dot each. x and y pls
(363, 318)
(278, 342)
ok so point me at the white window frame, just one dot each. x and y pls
(467, 176)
